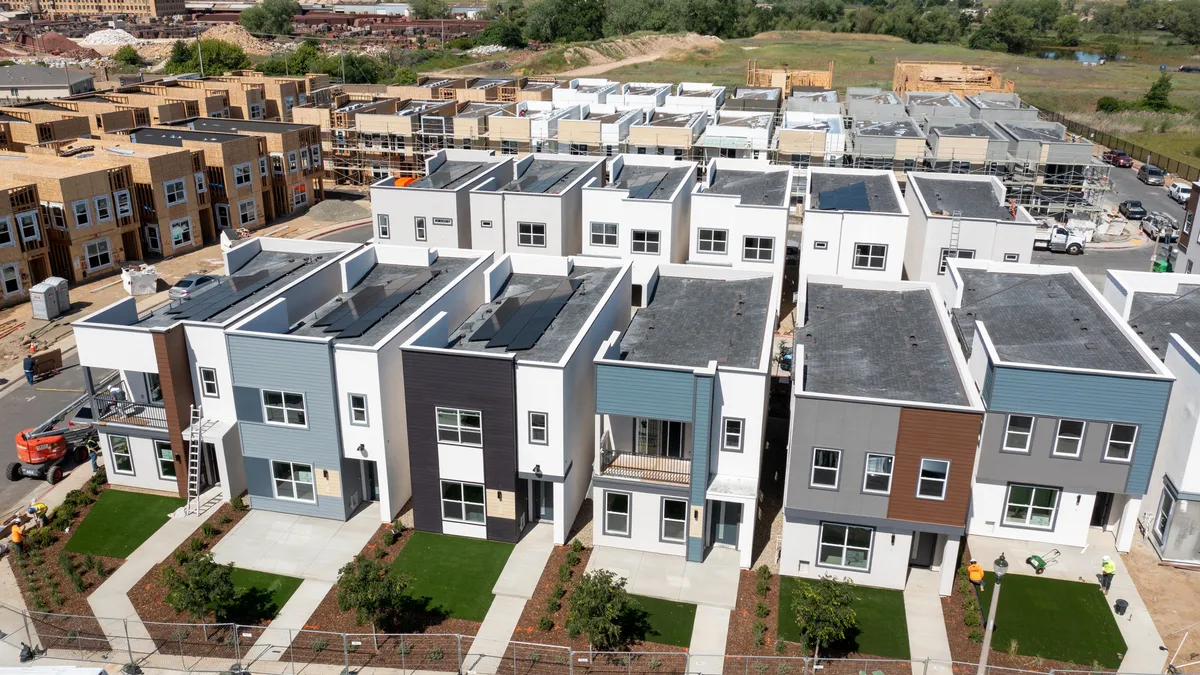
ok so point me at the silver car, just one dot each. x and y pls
(1151, 175)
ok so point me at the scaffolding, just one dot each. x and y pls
(947, 76)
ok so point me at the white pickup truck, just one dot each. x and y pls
(1059, 239)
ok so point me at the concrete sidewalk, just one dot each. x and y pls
(926, 624)
(275, 640)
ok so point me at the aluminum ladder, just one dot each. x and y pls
(955, 230)
(195, 443)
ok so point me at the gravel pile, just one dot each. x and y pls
(233, 33)
(339, 211)
(484, 50)
(109, 36)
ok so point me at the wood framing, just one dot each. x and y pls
(938, 76)
(785, 79)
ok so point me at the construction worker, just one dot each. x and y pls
(37, 511)
(30, 364)
(93, 450)
(18, 535)
(975, 574)
(1107, 569)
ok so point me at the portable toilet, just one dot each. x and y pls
(44, 298)
(64, 296)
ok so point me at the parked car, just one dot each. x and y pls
(1151, 175)
(1180, 192)
(1189, 69)
(192, 284)
(1132, 209)
(1118, 158)
(1161, 227)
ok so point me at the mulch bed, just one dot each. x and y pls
(159, 618)
(740, 640)
(47, 587)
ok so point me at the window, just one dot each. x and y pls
(241, 174)
(659, 438)
(485, 223)
(1069, 439)
(293, 164)
(82, 217)
(98, 254)
(103, 208)
(578, 149)
(208, 382)
(152, 242)
(1120, 442)
(10, 277)
(1029, 506)
(28, 223)
(181, 232)
(462, 427)
(845, 546)
(674, 520)
(294, 481)
(358, 409)
(604, 234)
(508, 147)
(616, 513)
(644, 241)
(825, 468)
(419, 227)
(731, 439)
(539, 428)
(6, 235)
(821, 245)
(1012, 257)
(124, 205)
(878, 474)
(262, 166)
(283, 407)
(961, 254)
(166, 460)
(315, 153)
(176, 191)
(381, 222)
(122, 456)
(932, 482)
(1019, 433)
(201, 188)
(531, 234)
(247, 212)
(1166, 503)
(277, 163)
(870, 256)
(713, 241)
(256, 111)
(304, 156)
(463, 502)
(758, 248)
(299, 195)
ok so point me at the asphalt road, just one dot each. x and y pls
(1127, 186)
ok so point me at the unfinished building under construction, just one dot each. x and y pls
(785, 79)
(945, 76)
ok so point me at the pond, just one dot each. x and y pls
(1086, 58)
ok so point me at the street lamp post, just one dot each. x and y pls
(1000, 567)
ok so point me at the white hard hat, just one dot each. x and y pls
(1105, 559)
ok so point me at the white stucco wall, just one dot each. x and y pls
(1070, 525)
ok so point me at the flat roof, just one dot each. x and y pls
(605, 118)
(945, 100)
(1154, 316)
(635, 173)
(5, 117)
(411, 108)
(593, 88)
(878, 344)
(755, 121)
(827, 95)
(897, 128)
(645, 89)
(833, 124)
(971, 198)
(232, 126)
(490, 82)
(1046, 319)
(451, 175)
(882, 98)
(760, 93)
(1027, 132)
(477, 109)
(754, 187)
(175, 136)
(973, 129)
(444, 269)
(537, 85)
(547, 176)
(690, 322)
(707, 92)
(880, 197)
(677, 120)
(1006, 102)
(553, 343)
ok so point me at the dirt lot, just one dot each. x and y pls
(1173, 597)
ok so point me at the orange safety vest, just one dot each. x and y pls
(975, 572)
(16, 533)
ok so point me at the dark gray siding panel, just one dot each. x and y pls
(248, 404)
(644, 392)
(262, 495)
(1087, 474)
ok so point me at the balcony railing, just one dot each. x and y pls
(120, 411)
(646, 467)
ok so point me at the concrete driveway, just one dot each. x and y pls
(713, 582)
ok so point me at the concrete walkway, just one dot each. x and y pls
(709, 635)
(515, 586)
(926, 625)
(671, 577)
(274, 641)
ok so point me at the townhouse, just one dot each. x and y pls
(681, 404)
(24, 245)
(435, 210)
(175, 389)
(1001, 107)
(1075, 403)
(887, 143)
(586, 90)
(873, 103)
(540, 210)
(809, 138)
(599, 128)
(966, 146)
(537, 89)
(1053, 170)
(28, 126)
(196, 101)
(813, 100)
(489, 89)
(101, 113)
(745, 135)
(641, 95)
(855, 224)
(146, 110)
(739, 215)
(667, 133)
(319, 379)
(697, 96)
(280, 93)
(924, 106)
(396, 136)
(964, 217)
(884, 426)
(428, 88)
(759, 99)
(500, 405)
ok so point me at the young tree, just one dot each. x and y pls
(127, 55)
(1110, 48)
(1158, 98)
(219, 57)
(370, 590)
(430, 9)
(273, 17)
(824, 612)
(1068, 30)
(201, 586)
(602, 610)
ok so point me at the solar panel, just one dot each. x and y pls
(851, 197)
(441, 179)
(389, 302)
(648, 187)
(513, 326)
(227, 287)
(210, 309)
(362, 300)
(549, 180)
(544, 316)
(487, 330)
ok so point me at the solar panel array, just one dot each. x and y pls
(538, 184)
(231, 292)
(440, 179)
(370, 304)
(642, 188)
(851, 197)
(518, 325)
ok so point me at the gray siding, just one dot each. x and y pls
(644, 392)
(702, 424)
(853, 428)
(1088, 473)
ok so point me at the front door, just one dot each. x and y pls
(724, 521)
(1100, 512)
(924, 544)
(152, 243)
(210, 475)
(542, 507)
(370, 481)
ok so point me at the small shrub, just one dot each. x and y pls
(92, 489)
(654, 664)
(39, 603)
(552, 605)
(780, 647)
(975, 636)
(90, 562)
(225, 519)
(545, 623)
(72, 636)
(971, 619)
(405, 647)
(351, 647)
(564, 572)
(196, 544)
(77, 499)
(576, 546)
(761, 610)
(319, 646)
(57, 598)
(1110, 104)
(436, 654)
(181, 556)
(560, 659)
(760, 633)
(760, 668)
(390, 537)
(1013, 646)
(99, 478)
(77, 582)
(783, 668)
(102, 571)
(763, 572)
(380, 553)
(762, 587)
(964, 587)
(871, 60)
(64, 561)
(535, 657)
(209, 530)
(572, 558)
(180, 634)
(238, 504)
(558, 591)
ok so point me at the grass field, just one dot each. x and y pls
(670, 622)
(274, 589)
(456, 574)
(1055, 619)
(121, 521)
(882, 628)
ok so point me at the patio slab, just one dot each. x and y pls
(297, 546)
(713, 582)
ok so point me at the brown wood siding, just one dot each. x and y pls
(934, 434)
(175, 378)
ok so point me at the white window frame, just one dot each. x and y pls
(1008, 431)
(1108, 444)
(1058, 438)
(176, 191)
(755, 245)
(627, 513)
(127, 455)
(293, 481)
(462, 502)
(208, 382)
(383, 226)
(247, 217)
(868, 473)
(539, 423)
(87, 256)
(922, 479)
(15, 268)
(420, 231)
(837, 470)
(158, 459)
(958, 254)
(293, 163)
(299, 194)
(1162, 516)
(86, 215)
(845, 546)
(262, 167)
(458, 428)
(221, 213)
(123, 203)
(713, 241)
(736, 435)
(1028, 521)
(356, 405)
(103, 213)
(240, 171)
(649, 239)
(153, 243)
(201, 187)
(284, 408)
(870, 256)
(6, 233)
(601, 236)
(531, 237)
(29, 219)
(663, 520)
(177, 242)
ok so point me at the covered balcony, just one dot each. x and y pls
(646, 449)
(135, 399)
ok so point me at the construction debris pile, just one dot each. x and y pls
(485, 50)
(237, 35)
(109, 36)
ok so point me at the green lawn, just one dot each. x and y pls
(670, 623)
(270, 592)
(120, 521)
(456, 574)
(882, 628)
(1054, 619)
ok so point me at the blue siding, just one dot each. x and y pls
(989, 379)
(701, 429)
(1085, 396)
(644, 392)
